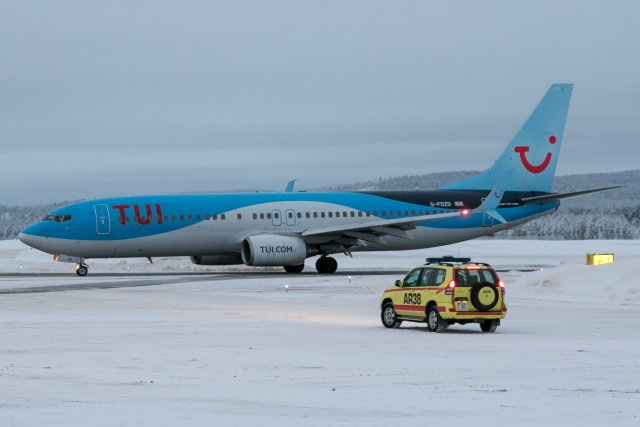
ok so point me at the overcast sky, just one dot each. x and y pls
(113, 98)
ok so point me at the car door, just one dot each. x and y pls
(410, 296)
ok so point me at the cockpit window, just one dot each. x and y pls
(57, 218)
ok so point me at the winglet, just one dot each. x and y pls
(490, 204)
(290, 186)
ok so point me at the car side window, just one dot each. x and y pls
(461, 278)
(425, 279)
(438, 276)
(412, 278)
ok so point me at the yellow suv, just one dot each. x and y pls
(445, 291)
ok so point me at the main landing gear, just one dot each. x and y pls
(326, 265)
(82, 270)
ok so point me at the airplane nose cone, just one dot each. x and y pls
(27, 239)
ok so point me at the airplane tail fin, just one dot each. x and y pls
(530, 160)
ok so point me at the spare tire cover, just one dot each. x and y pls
(484, 296)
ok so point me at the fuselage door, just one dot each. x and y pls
(103, 222)
(290, 217)
(276, 217)
(487, 220)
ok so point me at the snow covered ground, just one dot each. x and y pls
(290, 350)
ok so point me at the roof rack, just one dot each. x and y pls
(448, 259)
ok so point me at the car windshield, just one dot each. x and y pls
(57, 218)
(466, 277)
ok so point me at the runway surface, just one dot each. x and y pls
(131, 280)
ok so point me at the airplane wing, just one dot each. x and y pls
(373, 231)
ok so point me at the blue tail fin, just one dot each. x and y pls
(530, 160)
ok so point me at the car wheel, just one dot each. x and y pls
(484, 296)
(389, 317)
(435, 322)
(489, 325)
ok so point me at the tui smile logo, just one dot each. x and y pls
(530, 167)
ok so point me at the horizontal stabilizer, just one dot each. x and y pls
(561, 196)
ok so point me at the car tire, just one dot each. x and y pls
(389, 317)
(483, 287)
(489, 325)
(435, 322)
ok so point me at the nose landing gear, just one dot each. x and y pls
(82, 270)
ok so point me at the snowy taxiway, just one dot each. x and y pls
(227, 348)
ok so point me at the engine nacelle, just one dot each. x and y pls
(271, 249)
(216, 259)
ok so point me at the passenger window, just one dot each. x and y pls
(413, 213)
(315, 214)
(425, 279)
(337, 214)
(268, 215)
(307, 214)
(222, 216)
(411, 280)
(375, 213)
(190, 217)
(439, 276)
(181, 217)
(368, 213)
(299, 215)
(330, 214)
(360, 213)
(215, 216)
(261, 216)
(322, 214)
(254, 216)
(383, 213)
(290, 214)
(461, 278)
(199, 217)
(353, 214)
(239, 216)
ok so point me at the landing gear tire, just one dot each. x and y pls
(326, 265)
(389, 317)
(489, 325)
(82, 270)
(435, 322)
(293, 268)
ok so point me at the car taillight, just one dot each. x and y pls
(500, 284)
(452, 284)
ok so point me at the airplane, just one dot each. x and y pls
(284, 229)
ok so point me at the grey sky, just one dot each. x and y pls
(144, 97)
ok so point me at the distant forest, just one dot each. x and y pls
(613, 214)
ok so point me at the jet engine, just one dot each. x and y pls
(270, 250)
(216, 259)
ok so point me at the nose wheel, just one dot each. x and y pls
(82, 270)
